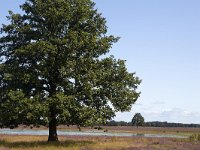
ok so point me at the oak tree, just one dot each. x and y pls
(54, 68)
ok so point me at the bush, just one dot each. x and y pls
(198, 137)
(98, 128)
(194, 137)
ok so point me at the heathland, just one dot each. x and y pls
(30, 142)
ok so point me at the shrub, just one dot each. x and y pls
(194, 137)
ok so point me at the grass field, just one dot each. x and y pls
(18, 142)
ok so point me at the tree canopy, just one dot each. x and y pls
(55, 68)
(138, 120)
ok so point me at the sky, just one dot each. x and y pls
(160, 41)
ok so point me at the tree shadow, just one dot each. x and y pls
(61, 144)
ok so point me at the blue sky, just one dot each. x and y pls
(160, 39)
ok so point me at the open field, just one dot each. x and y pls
(131, 129)
(154, 130)
(18, 142)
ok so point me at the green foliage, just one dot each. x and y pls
(52, 66)
(138, 120)
(194, 137)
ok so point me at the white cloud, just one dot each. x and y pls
(173, 115)
(158, 103)
(177, 115)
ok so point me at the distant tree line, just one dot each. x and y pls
(167, 124)
(147, 124)
(118, 123)
(153, 124)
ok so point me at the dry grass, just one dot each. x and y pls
(19, 142)
(154, 130)
(16, 142)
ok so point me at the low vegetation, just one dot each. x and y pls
(19, 142)
(88, 143)
(195, 137)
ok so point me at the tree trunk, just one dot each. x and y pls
(53, 128)
(52, 118)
